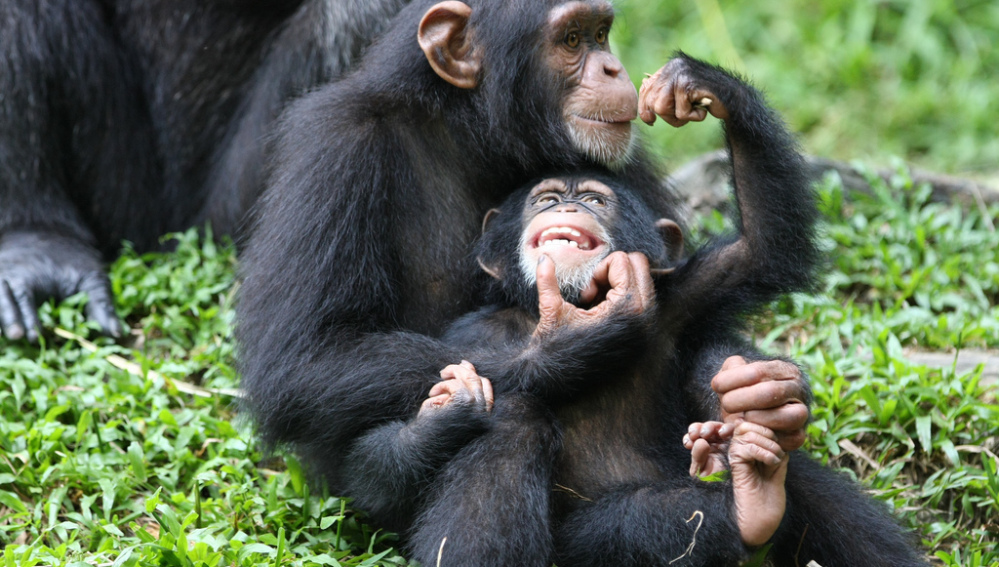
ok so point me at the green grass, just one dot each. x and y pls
(103, 466)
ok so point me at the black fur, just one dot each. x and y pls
(620, 492)
(359, 259)
(128, 119)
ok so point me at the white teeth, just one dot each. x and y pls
(561, 230)
(563, 242)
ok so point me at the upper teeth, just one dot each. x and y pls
(561, 230)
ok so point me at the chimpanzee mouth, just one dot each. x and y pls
(566, 236)
(604, 120)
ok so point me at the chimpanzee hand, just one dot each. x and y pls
(622, 283)
(708, 444)
(677, 96)
(36, 266)
(770, 393)
(758, 465)
(461, 385)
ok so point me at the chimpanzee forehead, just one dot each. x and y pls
(570, 186)
(581, 12)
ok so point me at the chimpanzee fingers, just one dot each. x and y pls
(589, 294)
(470, 384)
(620, 274)
(735, 375)
(649, 91)
(786, 418)
(708, 101)
(10, 315)
(733, 362)
(487, 392)
(684, 111)
(753, 442)
(26, 305)
(710, 431)
(435, 402)
(449, 386)
(700, 454)
(791, 441)
(550, 299)
(762, 396)
(642, 279)
(100, 306)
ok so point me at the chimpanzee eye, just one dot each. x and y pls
(601, 36)
(546, 199)
(593, 199)
(572, 39)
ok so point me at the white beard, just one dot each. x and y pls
(572, 280)
(603, 147)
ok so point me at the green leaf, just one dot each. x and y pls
(924, 433)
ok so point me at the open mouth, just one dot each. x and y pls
(573, 237)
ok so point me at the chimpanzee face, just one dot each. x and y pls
(600, 101)
(567, 220)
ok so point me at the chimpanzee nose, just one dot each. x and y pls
(567, 208)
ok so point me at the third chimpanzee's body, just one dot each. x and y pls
(129, 119)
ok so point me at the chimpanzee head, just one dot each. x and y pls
(576, 221)
(543, 80)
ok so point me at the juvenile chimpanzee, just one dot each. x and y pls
(622, 492)
(128, 119)
(359, 257)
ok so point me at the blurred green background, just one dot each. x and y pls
(857, 79)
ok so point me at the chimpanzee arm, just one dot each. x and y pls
(323, 363)
(774, 251)
(501, 346)
(65, 89)
(389, 468)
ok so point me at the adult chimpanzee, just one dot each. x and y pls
(618, 491)
(360, 252)
(128, 119)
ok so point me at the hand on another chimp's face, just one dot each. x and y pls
(622, 285)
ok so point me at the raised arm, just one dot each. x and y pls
(773, 251)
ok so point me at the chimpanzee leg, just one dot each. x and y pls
(830, 521)
(681, 522)
(491, 502)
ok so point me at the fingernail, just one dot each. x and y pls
(14, 332)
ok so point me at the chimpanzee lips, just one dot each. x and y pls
(566, 236)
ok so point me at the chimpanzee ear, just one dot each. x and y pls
(672, 237)
(490, 215)
(494, 269)
(444, 38)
